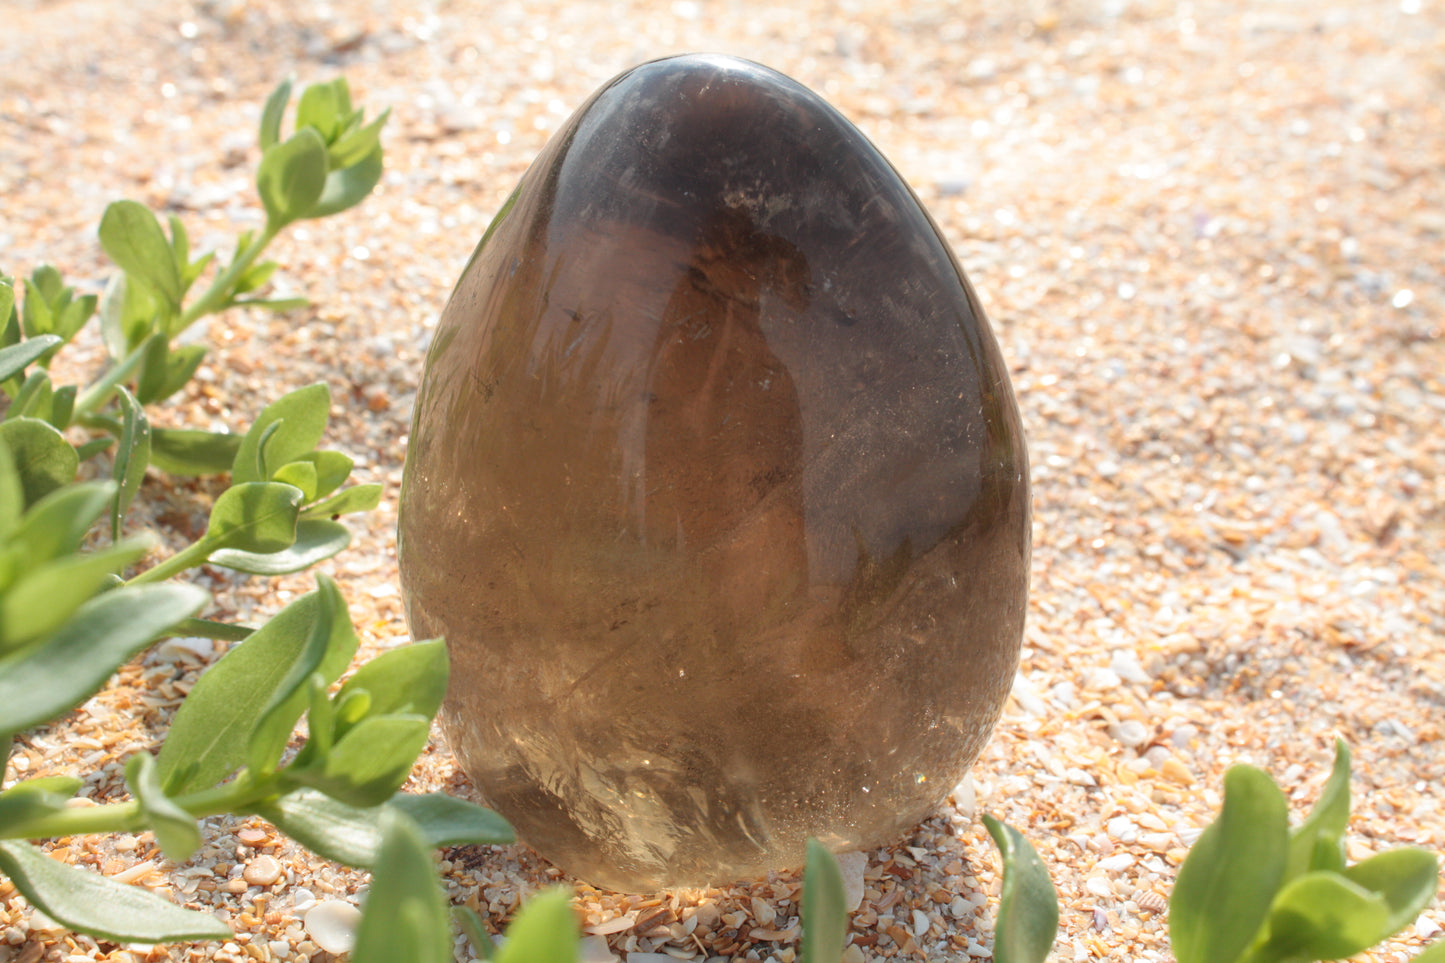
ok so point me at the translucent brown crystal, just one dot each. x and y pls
(717, 490)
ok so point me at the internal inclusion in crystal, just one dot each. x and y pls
(717, 490)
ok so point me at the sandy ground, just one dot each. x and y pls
(1209, 235)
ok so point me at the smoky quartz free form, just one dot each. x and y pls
(717, 490)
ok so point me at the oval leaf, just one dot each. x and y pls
(408, 680)
(299, 419)
(41, 600)
(89, 903)
(135, 241)
(187, 451)
(406, 914)
(1405, 878)
(14, 358)
(255, 517)
(349, 186)
(42, 457)
(291, 178)
(369, 763)
(349, 834)
(214, 725)
(1232, 872)
(545, 929)
(1319, 842)
(825, 913)
(317, 539)
(357, 498)
(1323, 916)
(43, 681)
(1028, 912)
(174, 828)
(132, 457)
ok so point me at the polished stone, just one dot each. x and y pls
(717, 489)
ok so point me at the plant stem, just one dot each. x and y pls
(215, 297)
(213, 300)
(188, 557)
(105, 423)
(94, 397)
(237, 796)
(114, 818)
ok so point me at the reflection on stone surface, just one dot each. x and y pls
(717, 489)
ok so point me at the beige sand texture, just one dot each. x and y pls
(1210, 237)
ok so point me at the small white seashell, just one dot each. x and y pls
(332, 924)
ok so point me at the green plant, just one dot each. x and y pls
(69, 617)
(1254, 891)
(1251, 889)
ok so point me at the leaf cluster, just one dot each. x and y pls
(69, 616)
(1253, 890)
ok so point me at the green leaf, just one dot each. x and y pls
(127, 315)
(474, 930)
(324, 107)
(349, 834)
(1434, 953)
(1319, 842)
(256, 276)
(291, 178)
(187, 451)
(74, 315)
(302, 474)
(167, 371)
(272, 113)
(330, 632)
(43, 458)
(14, 358)
(1232, 872)
(42, 599)
(406, 914)
(89, 449)
(1028, 912)
(278, 305)
(131, 458)
(92, 904)
(188, 277)
(332, 470)
(448, 821)
(62, 406)
(180, 241)
(316, 541)
(9, 333)
(34, 799)
(369, 763)
(12, 496)
(545, 931)
(152, 376)
(33, 399)
(37, 315)
(255, 517)
(349, 186)
(1405, 878)
(135, 241)
(356, 145)
(825, 913)
(411, 679)
(214, 725)
(56, 525)
(1324, 916)
(41, 682)
(174, 828)
(357, 498)
(300, 417)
